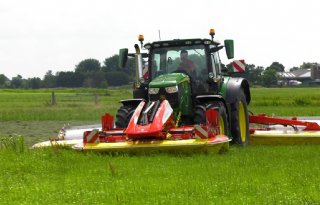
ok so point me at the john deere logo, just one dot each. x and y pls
(162, 97)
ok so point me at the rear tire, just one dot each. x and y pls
(123, 116)
(240, 120)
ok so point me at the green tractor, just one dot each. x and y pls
(185, 100)
(188, 73)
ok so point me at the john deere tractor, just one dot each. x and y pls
(191, 88)
(184, 100)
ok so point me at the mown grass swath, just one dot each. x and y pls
(12, 143)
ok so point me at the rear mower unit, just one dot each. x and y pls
(277, 130)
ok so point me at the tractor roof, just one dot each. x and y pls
(181, 42)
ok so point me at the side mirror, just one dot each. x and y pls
(229, 48)
(123, 57)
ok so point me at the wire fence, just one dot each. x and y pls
(74, 98)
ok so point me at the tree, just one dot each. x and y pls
(117, 78)
(4, 81)
(308, 65)
(254, 74)
(69, 79)
(96, 81)
(88, 66)
(16, 82)
(269, 78)
(100, 80)
(35, 83)
(304, 66)
(294, 68)
(278, 67)
(111, 64)
(49, 80)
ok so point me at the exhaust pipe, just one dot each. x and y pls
(139, 65)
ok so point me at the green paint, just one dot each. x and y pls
(223, 87)
(183, 83)
(167, 80)
(185, 98)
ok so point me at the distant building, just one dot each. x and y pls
(309, 76)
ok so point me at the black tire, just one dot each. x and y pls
(223, 120)
(240, 120)
(200, 115)
(123, 116)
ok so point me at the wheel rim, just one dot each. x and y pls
(242, 122)
(221, 125)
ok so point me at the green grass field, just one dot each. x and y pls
(71, 104)
(250, 175)
(286, 101)
(28, 105)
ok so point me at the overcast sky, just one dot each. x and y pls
(41, 35)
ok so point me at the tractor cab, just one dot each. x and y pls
(198, 59)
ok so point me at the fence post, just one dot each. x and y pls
(53, 98)
(96, 98)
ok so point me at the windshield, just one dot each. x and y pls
(185, 59)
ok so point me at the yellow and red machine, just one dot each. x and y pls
(157, 132)
(279, 130)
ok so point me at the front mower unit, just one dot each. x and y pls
(152, 128)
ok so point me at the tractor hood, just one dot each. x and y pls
(167, 80)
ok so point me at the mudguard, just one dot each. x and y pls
(131, 102)
(233, 87)
(207, 98)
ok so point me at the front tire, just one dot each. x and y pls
(123, 116)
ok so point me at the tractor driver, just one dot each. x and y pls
(186, 64)
(189, 67)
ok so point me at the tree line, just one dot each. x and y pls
(267, 77)
(90, 73)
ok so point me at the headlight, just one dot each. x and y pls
(172, 89)
(153, 91)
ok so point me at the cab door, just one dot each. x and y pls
(215, 77)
